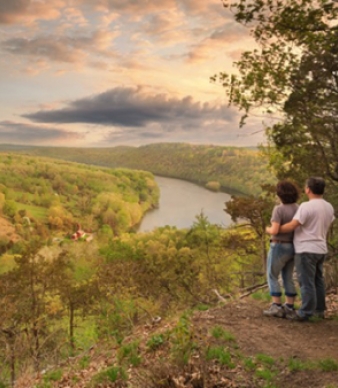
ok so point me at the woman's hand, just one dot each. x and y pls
(268, 229)
(273, 229)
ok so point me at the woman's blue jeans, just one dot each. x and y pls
(309, 267)
(281, 261)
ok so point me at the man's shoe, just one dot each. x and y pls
(274, 311)
(288, 310)
(294, 316)
(319, 314)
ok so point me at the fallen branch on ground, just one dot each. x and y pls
(252, 290)
(223, 298)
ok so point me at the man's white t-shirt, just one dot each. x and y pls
(315, 218)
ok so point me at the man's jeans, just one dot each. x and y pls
(309, 267)
(280, 261)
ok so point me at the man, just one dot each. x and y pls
(310, 224)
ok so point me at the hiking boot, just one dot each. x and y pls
(274, 311)
(288, 310)
(319, 314)
(293, 315)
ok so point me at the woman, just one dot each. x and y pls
(281, 253)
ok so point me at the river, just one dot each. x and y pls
(180, 203)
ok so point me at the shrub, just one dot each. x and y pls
(213, 186)
(181, 339)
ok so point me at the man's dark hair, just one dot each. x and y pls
(287, 192)
(316, 185)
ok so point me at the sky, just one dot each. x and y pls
(102, 73)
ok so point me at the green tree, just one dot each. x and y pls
(9, 208)
(26, 316)
(256, 211)
(293, 75)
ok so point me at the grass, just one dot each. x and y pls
(298, 365)
(155, 341)
(129, 353)
(220, 354)
(50, 378)
(328, 365)
(202, 307)
(37, 212)
(110, 375)
(249, 363)
(265, 360)
(84, 362)
(265, 374)
(219, 333)
(262, 296)
(55, 375)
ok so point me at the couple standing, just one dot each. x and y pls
(298, 238)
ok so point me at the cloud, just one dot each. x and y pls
(21, 133)
(139, 115)
(220, 39)
(135, 8)
(208, 133)
(48, 47)
(131, 7)
(77, 49)
(61, 49)
(15, 11)
(135, 107)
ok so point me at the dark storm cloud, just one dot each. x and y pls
(26, 133)
(133, 107)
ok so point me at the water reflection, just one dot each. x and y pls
(181, 202)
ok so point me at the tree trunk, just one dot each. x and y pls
(263, 251)
(71, 326)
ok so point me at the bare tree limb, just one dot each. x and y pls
(253, 290)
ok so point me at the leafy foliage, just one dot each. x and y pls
(291, 74)
(42, 194)
(256, 211)
(237, 169)
(56, 299)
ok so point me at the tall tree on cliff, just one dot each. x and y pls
(293, 73)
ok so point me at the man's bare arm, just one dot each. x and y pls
(289, 227)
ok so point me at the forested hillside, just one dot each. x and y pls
(57, 196)
(57, 301)
(227, 168)
(75, 314)
(59, 296)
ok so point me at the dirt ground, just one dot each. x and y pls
(255, 333)
(282, 339)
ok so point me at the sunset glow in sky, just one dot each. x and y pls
(110, 72)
